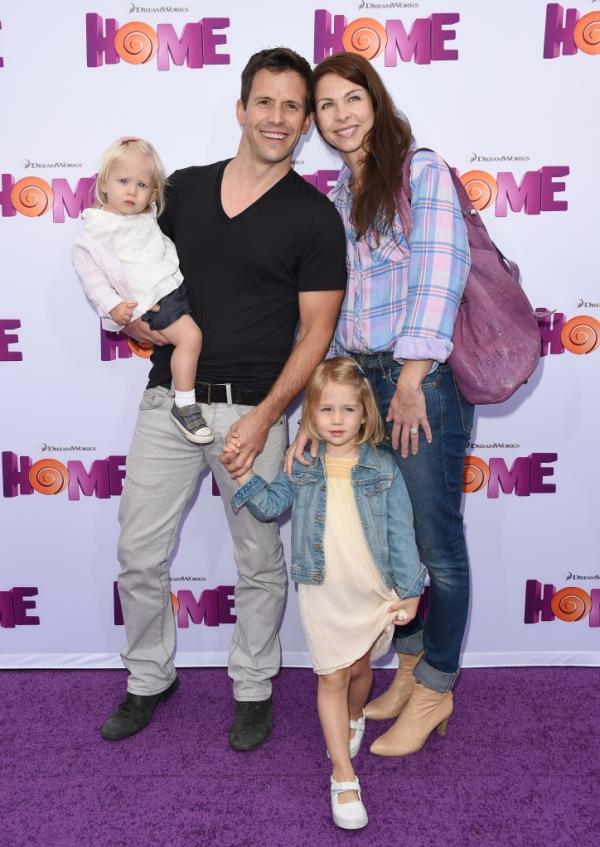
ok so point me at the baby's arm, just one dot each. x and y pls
(95, 282)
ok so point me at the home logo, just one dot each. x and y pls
(569, 604)
(524, 477)
(579, 335)
(32, 196)
(14, 608)
(137, 43)
(566, 32)
(20, 475)
(213, 607)
(324, 181)
(533, 194)
(117, 345)
(7, 339)
(422, 44)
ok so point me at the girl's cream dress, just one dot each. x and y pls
(348, 614)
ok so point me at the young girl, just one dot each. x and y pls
(353, 555)
(129, 269)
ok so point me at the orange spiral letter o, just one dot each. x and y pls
(32, 196)
(365, 36)
(481, 188)
(587, 33)
(571, 604)
(142, 352)
(48, 476)
(475, 474)
(136, 42)
(581, 335)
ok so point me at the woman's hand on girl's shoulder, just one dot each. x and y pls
(296, 451)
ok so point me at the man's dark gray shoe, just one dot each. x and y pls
(134, 713)
(189, 420)
(251, 725)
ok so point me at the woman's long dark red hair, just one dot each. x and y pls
(386, 146)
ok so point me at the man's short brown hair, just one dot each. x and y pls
(276, 60)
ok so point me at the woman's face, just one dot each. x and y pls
(344, 114)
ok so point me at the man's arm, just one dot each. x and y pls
(318, 315)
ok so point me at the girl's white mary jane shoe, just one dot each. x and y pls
(356, 740)
(351, 815)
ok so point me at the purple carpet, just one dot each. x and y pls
(519, 766)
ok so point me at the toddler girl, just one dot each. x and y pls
(353, 555)
(129, 269)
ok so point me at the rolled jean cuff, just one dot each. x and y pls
(432, 678)
(412, 645)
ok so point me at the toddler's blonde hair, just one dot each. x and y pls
(344, 371)
(119, 149)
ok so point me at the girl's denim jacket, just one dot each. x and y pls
(383, 505)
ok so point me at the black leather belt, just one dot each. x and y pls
(207, 392)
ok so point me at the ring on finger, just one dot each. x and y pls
(414, 430)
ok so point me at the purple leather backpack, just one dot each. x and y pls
(496, 338)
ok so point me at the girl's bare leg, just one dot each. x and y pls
(360, 686)
(185, 335)
(332, 704)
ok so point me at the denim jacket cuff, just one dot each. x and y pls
(416, 588)
(245, 493)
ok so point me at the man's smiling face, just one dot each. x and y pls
(275, 116)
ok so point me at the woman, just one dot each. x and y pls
(397, 321)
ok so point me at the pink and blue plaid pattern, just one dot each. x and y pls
(403, 296)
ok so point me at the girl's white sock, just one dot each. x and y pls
(185, 398)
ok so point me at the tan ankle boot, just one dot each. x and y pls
(391, 702)
(426, 710)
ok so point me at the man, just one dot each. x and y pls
(260, 250)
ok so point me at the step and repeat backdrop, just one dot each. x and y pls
(505, 92)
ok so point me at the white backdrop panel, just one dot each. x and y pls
(500, 107)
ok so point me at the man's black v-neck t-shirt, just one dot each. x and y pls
(243, 274)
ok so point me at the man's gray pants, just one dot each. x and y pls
(162, 474)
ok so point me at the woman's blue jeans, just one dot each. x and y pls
(433, 478)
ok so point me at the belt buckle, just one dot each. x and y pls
(228, 392)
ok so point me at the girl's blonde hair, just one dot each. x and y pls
(344, 371)
(119, 149)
